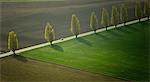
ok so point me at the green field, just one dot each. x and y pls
(121, 52)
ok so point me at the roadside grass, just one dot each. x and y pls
(121, 52)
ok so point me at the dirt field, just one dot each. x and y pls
(21, 69)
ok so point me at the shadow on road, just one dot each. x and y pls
(20, 58)
(86, 42)
(57, 47)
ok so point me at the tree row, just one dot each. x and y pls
(117, 16)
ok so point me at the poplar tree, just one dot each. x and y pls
(75, 25)
(147, 8)
(93, 22)
(49, 33)
(12, 42)
(123, 14)
(138, 10)
(105, 18)
(114, 16)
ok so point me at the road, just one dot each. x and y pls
(28, 19)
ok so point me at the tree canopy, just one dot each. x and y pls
(75, 25)
(138, 10)
(49, 33)
(114, 16)
(12, 41)
(93, 22)
(105, 21)
(147, 8)
(123, 13)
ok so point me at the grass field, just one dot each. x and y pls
(121, 52)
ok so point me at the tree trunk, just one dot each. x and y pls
(50, 42)
(124, 23)
(14, 52)
(76, 36)
(139, 20)
(106, 28)
(95, 31)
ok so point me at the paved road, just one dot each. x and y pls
(65, 39)
(28, 19)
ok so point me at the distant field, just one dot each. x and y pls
(121, 52)
(21, 69)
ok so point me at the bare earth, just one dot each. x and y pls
(22, 69)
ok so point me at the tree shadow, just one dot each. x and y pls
(114, 33)
(101, 36)
(20, 58)
(57, 47)
(145, 23)
(83, 41)
(133, 29)
(124, 29)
